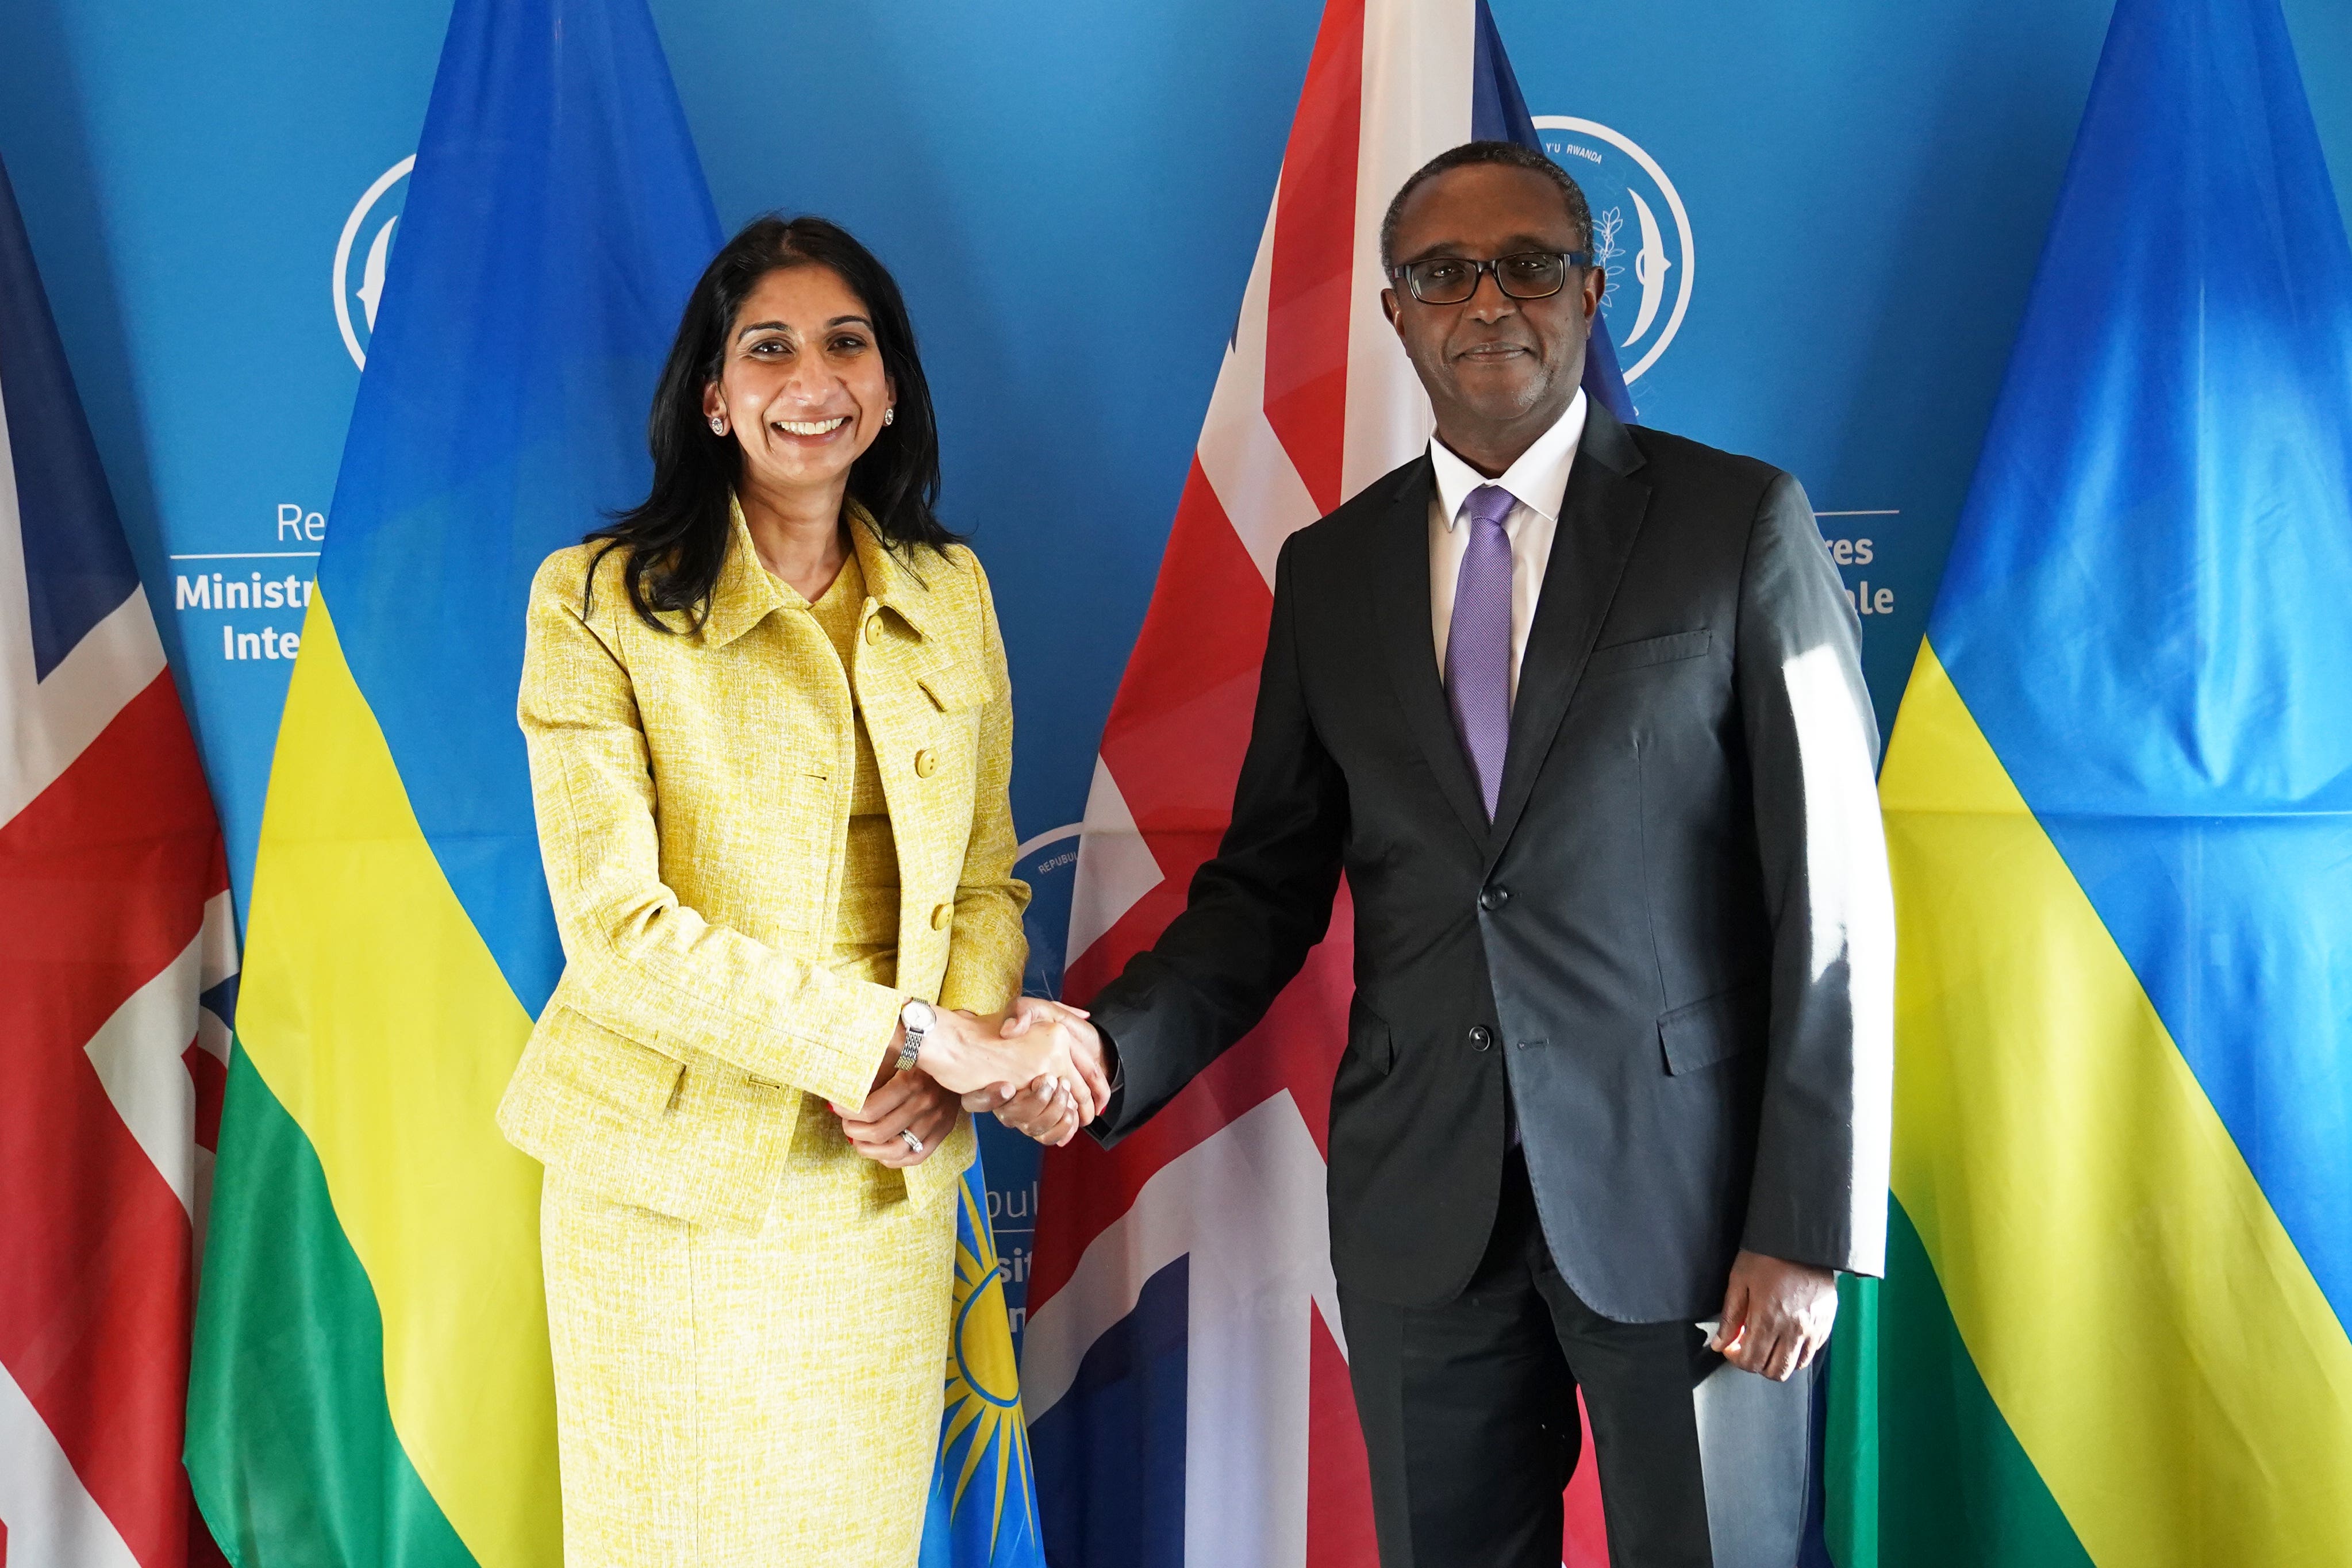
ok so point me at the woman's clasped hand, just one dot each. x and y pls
(905, 1117)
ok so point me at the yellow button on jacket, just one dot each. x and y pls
(693, 791)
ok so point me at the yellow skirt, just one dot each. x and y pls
(775, 1399)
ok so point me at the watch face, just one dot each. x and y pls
(916, 1015)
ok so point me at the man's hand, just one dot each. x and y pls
(1776, 1316)
(907, 1102)
(1046, 1110)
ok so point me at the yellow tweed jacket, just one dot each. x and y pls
(693, 793)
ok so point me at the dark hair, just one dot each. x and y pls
(1510, 156)
(677, 536)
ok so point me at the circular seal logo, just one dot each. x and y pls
(360, 255)
(1636, 213)
(1049, 864)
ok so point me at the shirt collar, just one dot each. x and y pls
(745, 594)
(1539, 480)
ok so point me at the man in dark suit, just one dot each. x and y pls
(1577, 710)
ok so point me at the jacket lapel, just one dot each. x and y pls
(890, 581)
(744, 594)
(1599, 519)
(1400, 623)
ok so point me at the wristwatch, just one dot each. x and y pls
(917, 1016)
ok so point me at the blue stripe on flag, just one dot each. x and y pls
(555, 224)
(1498, 112)
(78, 564)
(2146, 612)
(1110, 1454)
(221, 1001)
(983, 1506)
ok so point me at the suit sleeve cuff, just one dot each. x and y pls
(841, 1068)
(1102, 1128)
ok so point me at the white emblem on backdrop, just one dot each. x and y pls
(1049, 864)
(360, 255)
(1636, 212)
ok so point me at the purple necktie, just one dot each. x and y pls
(1478, 643)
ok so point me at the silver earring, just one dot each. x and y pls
(888, 415)
(717, 426)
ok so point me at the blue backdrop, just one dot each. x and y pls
(1841, 202)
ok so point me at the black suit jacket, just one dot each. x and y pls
(1672, 948)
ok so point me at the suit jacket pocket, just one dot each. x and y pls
(956, 687)
(1714, 1028)
(601, 1065)
(1369, 1042)
(692, 1139)
(1639, 655)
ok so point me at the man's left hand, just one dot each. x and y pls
(1776, 1316)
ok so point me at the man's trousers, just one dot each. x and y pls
(1470, 1423)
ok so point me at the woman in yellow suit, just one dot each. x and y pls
(770, 732)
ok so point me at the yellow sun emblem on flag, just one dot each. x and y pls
(983, 1425)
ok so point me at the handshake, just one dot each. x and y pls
(1041, 1071)
(1046, 1106)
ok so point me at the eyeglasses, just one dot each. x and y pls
(1523, 275)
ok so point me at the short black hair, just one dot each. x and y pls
(1510, 156)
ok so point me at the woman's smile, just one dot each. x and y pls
(811, 431)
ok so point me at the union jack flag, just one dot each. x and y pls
(118, 976)
(1185, 1360)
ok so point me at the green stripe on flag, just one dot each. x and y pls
(2127, 1293)
(290, 1444)
(1954, 1489)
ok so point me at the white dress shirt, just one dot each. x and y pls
(1538, 482)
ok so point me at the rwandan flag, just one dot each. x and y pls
(2119, 808)
(983, 1507)
(372, 1383)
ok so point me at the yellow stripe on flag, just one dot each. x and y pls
(2142, 1320)
(378, 1018)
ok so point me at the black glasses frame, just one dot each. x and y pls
(1404, 274)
